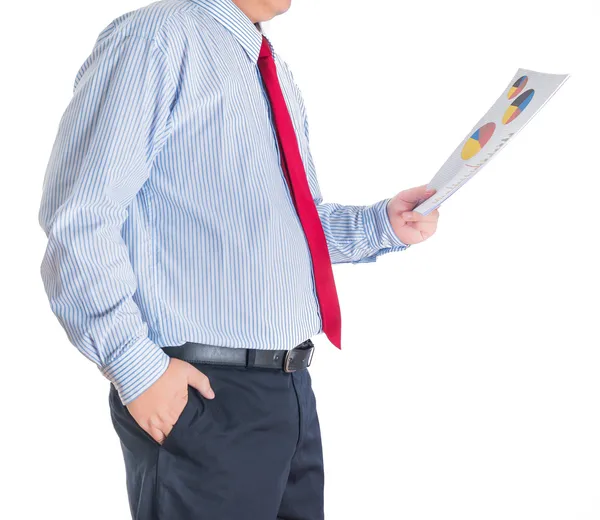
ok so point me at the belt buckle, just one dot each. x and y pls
(288, 360)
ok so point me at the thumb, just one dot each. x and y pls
(200, 382)
(414, 195)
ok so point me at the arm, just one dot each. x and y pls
(114, 125)
(355, 234)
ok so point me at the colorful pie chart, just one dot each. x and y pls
(477, 141)
(517, 106)
(517, 87)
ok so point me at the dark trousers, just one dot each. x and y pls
(251, 453)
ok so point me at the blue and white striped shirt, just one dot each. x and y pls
(166, 208)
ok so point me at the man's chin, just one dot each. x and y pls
(284, 8)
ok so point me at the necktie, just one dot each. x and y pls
(303, 201)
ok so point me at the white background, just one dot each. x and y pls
(468, 387)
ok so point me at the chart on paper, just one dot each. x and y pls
(525, 95)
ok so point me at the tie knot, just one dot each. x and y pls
(265, 49)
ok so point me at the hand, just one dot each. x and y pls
(412, 227)
(158, 408)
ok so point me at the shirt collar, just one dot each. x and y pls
(230, 16)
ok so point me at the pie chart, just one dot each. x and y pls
(477, 141)
(517, 106)
(517, 87)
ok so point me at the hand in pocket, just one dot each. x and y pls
(157, 409)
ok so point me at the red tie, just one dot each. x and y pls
(293, 168)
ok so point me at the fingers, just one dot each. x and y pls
(158, 408)
(166, 430)
(157, 434)
(200, 382)
(414, 216)
(414, 195)
(426, 225)
(160, 426)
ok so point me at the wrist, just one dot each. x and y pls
(136, 368)
(379, 226)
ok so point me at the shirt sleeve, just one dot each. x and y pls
(355, 234)
(112, 128)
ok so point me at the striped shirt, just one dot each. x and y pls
(165, 205)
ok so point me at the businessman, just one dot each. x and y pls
(190, 257)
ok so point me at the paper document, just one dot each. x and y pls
(524, 96)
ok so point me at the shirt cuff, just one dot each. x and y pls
(378, 227)
(136, 369)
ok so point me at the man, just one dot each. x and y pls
(189, 257)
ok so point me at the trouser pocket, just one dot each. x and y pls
(130, 431)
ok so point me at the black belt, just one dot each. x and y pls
(297, 358)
